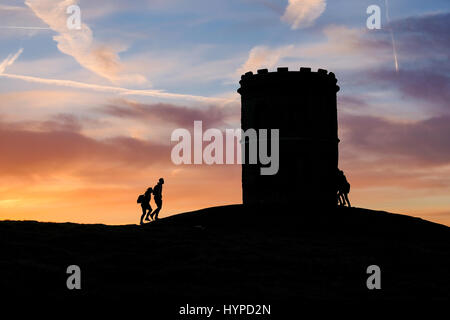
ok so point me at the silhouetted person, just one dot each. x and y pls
(157, 193)
(145, 204)
(343, 189)
(339, 194)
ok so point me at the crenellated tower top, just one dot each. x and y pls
(283, 78)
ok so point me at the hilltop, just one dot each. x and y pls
(232, 253)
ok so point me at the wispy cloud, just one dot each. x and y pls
(181, 116)
(262, 56)
(343, 49)
(99, 58)
(302, 13)
(9, 60)
(100, 88)
(10, 8)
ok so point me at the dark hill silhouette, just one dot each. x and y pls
(231, 253)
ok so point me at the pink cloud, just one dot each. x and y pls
(181, 116)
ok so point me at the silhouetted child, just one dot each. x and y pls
(145, 204)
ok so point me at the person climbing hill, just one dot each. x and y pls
(157, 192)
(144, 200)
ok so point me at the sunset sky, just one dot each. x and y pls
(86, 115)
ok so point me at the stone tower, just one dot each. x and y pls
(302, 105)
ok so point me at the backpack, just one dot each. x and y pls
(140, 199)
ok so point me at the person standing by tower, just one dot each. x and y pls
(157, 194)
(343, 188)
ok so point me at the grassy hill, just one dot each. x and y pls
(232, 253)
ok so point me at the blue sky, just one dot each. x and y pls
(198, 32)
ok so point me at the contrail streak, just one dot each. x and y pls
(394, 48)
(111, 89)
(24, 28)
(101, 88)
(9, 60)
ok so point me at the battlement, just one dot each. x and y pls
(284, 77)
